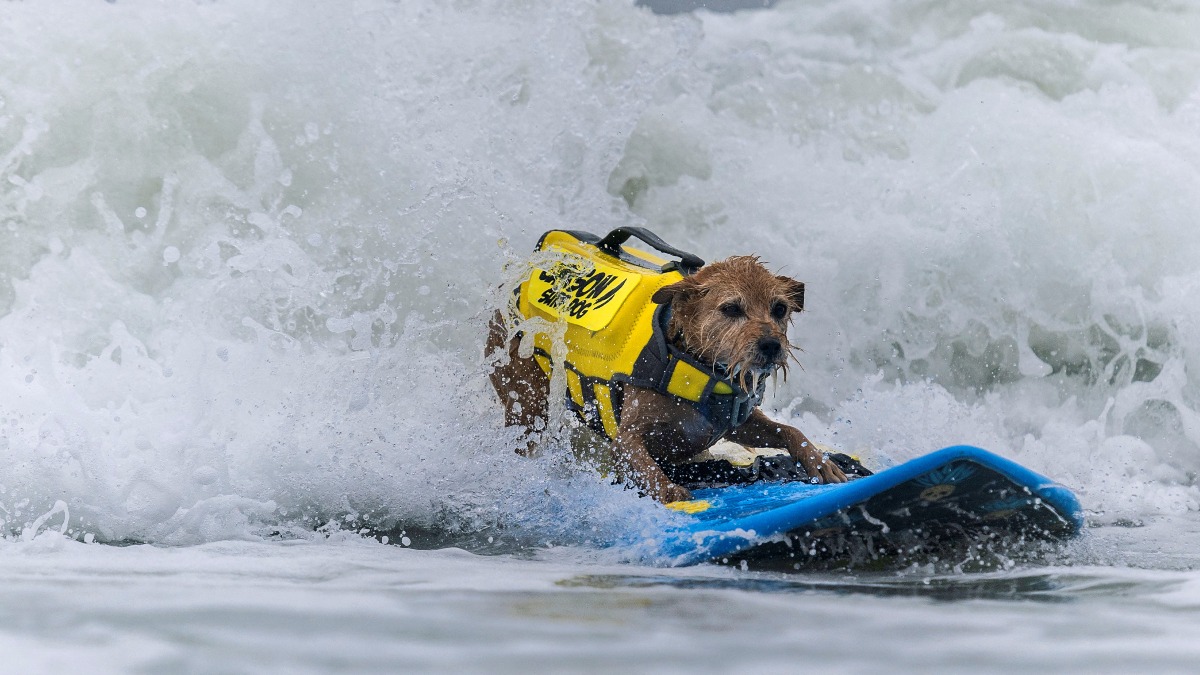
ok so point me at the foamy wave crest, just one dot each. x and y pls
(247, 252)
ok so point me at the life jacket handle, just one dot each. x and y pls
(611, 244)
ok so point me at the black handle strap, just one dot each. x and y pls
(611, 244)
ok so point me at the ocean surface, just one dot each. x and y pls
(248, 251)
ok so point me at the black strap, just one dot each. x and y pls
(653, 368)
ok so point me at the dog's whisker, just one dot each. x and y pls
(792, 356)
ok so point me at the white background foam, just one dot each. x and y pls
(246, 253)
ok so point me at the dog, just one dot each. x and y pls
(730, 320)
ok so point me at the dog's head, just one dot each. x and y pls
(734, 315)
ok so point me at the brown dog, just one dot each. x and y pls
(732, 316)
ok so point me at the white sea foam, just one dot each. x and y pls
(247, 251)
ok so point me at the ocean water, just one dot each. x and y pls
(248, 251)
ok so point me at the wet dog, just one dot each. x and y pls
(732, 316)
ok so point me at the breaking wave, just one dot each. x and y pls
(247, 251)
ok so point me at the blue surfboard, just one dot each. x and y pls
(958, 492)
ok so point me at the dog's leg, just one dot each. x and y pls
(647, 413)
(521, 384)
(761, 431)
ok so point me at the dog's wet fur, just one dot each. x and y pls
(732, 315)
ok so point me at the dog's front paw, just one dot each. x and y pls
(673, 493)
(818, 465)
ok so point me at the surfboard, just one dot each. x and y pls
(957, 494)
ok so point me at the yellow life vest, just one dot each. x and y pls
(615, 334)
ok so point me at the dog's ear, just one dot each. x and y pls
(676, 291)
(794, 291)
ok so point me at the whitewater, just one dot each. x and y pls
(248, 252)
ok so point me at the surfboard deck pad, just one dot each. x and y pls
(954, 496)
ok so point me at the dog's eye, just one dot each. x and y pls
(779, 310)
(732, 310)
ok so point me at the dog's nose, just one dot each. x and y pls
(769, 347)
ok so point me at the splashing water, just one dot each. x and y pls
(247, 252)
